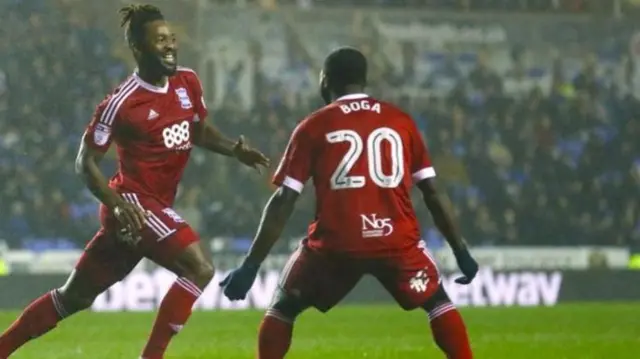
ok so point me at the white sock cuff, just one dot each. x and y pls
(271, 312)
(440, 310)
(57, 303)
(189, 286)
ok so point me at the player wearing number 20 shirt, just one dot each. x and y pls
(363, 156)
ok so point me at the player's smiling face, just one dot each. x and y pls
(161, 48)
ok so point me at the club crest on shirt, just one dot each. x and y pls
(183, 96)
(101, 134)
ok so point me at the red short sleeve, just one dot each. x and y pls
(421, 167)
(99, 134)
(295, 166)
(195, 86)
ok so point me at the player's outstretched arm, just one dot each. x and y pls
(86, 166)
(210, 138)
(440, 208)
(274, 218)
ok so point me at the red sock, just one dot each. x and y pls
(449, 332)
(174, 311)
(275, 334)
(42, 315)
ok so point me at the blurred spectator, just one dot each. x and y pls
(485, 79)
(587, 79)
(446, 76)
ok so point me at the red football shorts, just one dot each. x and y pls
(322, 280)
(107, 259)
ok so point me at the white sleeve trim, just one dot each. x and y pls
(293, 183)
(424, 173)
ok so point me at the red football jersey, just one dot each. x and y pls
(152, 128)
(363, 156)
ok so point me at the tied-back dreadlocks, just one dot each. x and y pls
(134, 18)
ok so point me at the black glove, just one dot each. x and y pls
(239, 281)
(467, 265)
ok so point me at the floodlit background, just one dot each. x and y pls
(530, 109)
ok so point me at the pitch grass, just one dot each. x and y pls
(597, 331)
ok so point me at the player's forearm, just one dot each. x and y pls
(440, 208)
(213, 140)
(274, 218)
(87, 168)
(98, 185)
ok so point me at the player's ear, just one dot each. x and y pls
(327, 82)
(135, 49)
(131, 43)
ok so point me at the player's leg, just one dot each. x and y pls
(171, 243)
(104, 262)
(194, 273)
(309, 279)
(447, 327)
(276, 330)
(413, 280)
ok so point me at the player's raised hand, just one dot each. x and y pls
(130, 216)
(467, 265)
(237, 283)
(249, 156)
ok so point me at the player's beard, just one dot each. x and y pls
(158, 65)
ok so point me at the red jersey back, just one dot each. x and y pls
(363, 156)
(152, 128)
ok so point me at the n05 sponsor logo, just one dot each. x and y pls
(372, 226)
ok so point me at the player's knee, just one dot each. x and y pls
(438, 298)
(74, 300)
(287, 306)
(206, 271)
(201, 274)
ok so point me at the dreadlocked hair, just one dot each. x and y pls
(134, 17)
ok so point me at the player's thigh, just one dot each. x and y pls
(105, 261)
(180, 252)
(316, 279)
(168, 240)
(412, 277)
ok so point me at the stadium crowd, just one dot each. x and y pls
(474, 5)
(499, 6)
(54, 68)
(523, 165)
